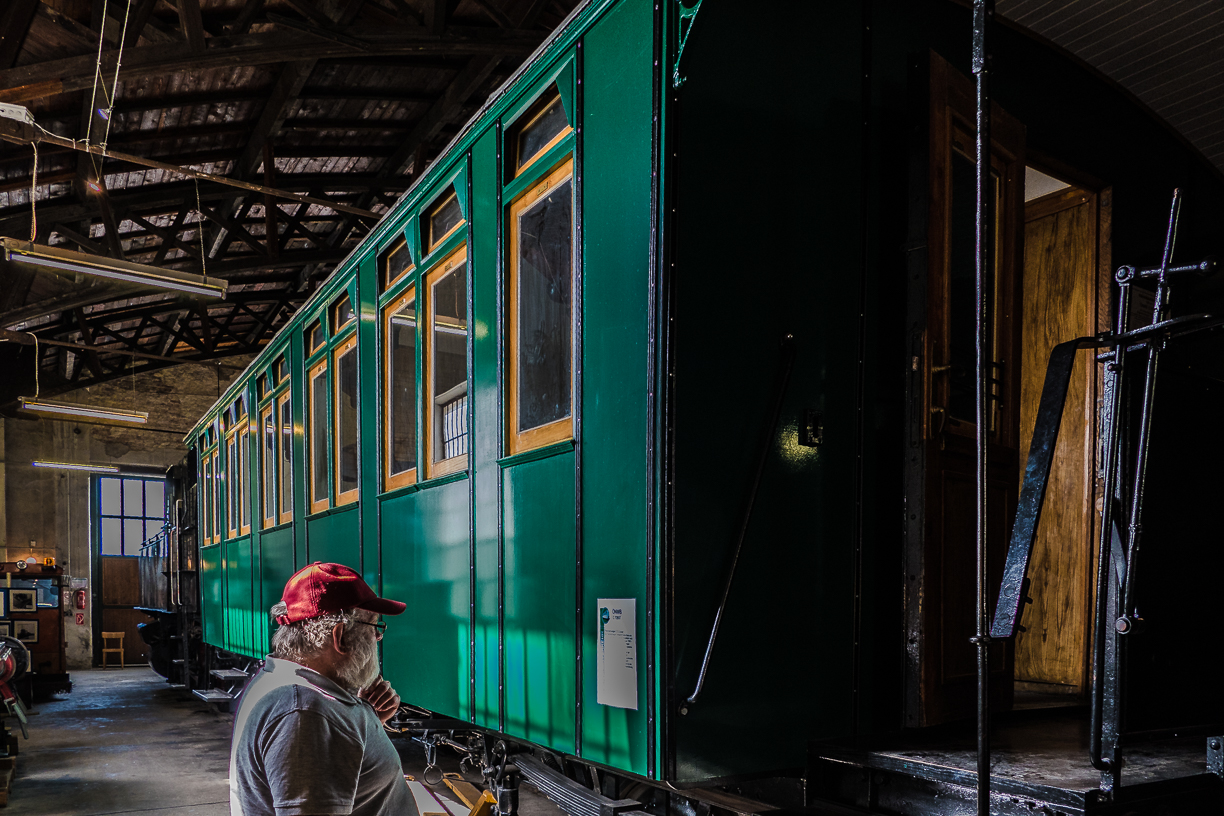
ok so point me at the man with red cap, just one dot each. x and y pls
(308, 735)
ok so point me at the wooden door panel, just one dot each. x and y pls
(120, 580)
(942, 598)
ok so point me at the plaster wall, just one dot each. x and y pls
(45, 512)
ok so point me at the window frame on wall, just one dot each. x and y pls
(283, 401)
(520, 440)
(392, 478)
(274, 477)
(549, 166)
(207, 485)
(123, 517)
(342, 349)
(438, 466)
(235, 426)
(333, 334)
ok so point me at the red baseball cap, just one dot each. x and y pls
(321, 588)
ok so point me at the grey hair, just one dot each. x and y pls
(302, 640)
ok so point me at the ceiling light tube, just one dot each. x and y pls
(66, 260)
(41, 406)
(74, 466)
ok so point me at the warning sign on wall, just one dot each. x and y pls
(80, 618)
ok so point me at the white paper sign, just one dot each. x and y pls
(616, 679)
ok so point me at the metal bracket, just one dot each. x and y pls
(1215, 755)
(687, 13)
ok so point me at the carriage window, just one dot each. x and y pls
(215, 492)
(206, 500)
(284, 484)
(540, 312)
(267, 425)
(262, 386)
(244, 493)
(400, 381)
(542, 126)
(444, 218)
(318, 438)
(446, 365)
(342, 314)
(314, 338)
(229, 484)
(395, 264)
(346, 421)
(282, 370)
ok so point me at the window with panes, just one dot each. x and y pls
(332, 407)
(131, 511)
(276, 444)
(540, 269)
(236, 451)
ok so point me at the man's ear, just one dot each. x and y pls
(338, 638)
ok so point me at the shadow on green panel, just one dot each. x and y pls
(334, 538)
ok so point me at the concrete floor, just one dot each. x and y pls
(123, 742)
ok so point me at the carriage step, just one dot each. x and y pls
(213, 695)
(229, 674)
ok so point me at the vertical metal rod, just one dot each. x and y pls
(1145, 422)
(983, 10)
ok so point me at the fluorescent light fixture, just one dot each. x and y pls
(41, 406)
(72, 466)
(66, 260)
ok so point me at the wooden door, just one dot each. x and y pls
(941, 545)
(1066, 289)
(119, 592)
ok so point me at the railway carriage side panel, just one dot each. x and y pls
(616, 246)
(334, 538)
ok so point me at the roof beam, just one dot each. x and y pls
(76, 73)
(192, 24)
(15, 23)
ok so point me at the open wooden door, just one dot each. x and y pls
(941, 486)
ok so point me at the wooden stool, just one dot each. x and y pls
(107, 636)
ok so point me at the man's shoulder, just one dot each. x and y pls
(286, 688)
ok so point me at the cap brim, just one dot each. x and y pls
(384, 606)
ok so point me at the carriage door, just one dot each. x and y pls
(941, 486)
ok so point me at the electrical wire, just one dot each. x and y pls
(200, 230)
(33, 193)
(115, 82)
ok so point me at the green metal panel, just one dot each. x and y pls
(212, 591)
(369, 400)
(538, 570)
(425, 565)
(238, 593)
(334, 537)
(616, 272)
(485, 427)
(276, 565)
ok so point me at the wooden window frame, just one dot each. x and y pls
(315, 504)
(431, 242)
(533, 113)
(243, 482)
(268, 465)
(388, 282)
(318, 323)
(283, 486)
(561, 429)
(334, 313)
(342, 348)
(392, 481)
(444, 467)
(230, 481)
(206, 500)
(216, 494)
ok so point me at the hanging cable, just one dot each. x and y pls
(200, 230)
(115, 82)
(33, 193)
(93, 99)
(36, 384)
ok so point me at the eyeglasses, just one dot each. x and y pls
(379, 626)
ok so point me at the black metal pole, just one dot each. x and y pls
(983, 10)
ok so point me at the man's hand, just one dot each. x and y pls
(382, 698)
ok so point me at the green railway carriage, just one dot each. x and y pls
(680, 242)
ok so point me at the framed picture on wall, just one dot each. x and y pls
(21, 600)
(6, 629)
(3, 603)
(27, 631)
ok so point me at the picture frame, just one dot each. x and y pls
(6, 628)
(26, 630)
(22, 600)
(4, 603)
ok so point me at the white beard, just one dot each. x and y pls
(361, 668)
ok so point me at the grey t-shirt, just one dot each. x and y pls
(303, 746)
